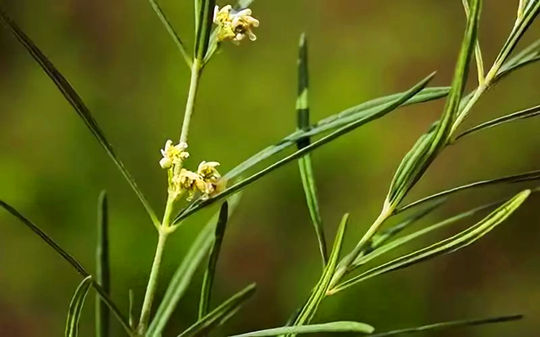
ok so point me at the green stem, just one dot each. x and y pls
(164, 231)
(347, 261)
(196, 70)
(152, 285)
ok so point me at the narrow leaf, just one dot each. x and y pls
(530, 13)
(102, 319)
(299, 153)
(477, 50)
(367, 112)
(170, 29)
(184, 273)
(517, 178)
(75, 307)
(383, 249)
(70, 259)
(519, 115)
(77, 103)
(204, 27)
(208, 279)
(527, 56)
(46, 238)
(342, 326)
(204, 325)
(449, 325)
(319, 292)
(304, 163)
(449, 245)
(425, 150)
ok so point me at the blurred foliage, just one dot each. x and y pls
(122, 62)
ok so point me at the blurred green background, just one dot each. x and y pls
(119, 58)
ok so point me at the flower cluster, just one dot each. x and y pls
(235, 25)
(206, 181)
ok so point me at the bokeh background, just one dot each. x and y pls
(119, 58)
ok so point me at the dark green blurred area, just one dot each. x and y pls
(121, 61)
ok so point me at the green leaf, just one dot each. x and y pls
(527, 56)
(530, 13)
(70, 259)
(77, 103)
(305, 315)
(366, 112)
(517, 178)
(425, 150)
(383, 249)
(208, 279)
(76, 306)
(204, 27)
(449, 325)
(170, 29)
(519, 115)
(449, 245)
(46, 238)
(102, 320)
(300, 153)
(184, 273)
(304, 163)
(214, 318)
(477, 50)
(342, 326)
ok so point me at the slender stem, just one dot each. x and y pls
(154, 272)
(196, 69)
(347, 261)
(152, 285)
(475, 97)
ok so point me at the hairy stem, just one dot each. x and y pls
(196, 69)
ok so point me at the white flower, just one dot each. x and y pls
(235, 25)
(173, 154)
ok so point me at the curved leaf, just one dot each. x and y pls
(452, 244)
(449, 325)
(342, 326)
(517, 178)
(405, 239)
(75, 307)
(523, 114)
(528, 55)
